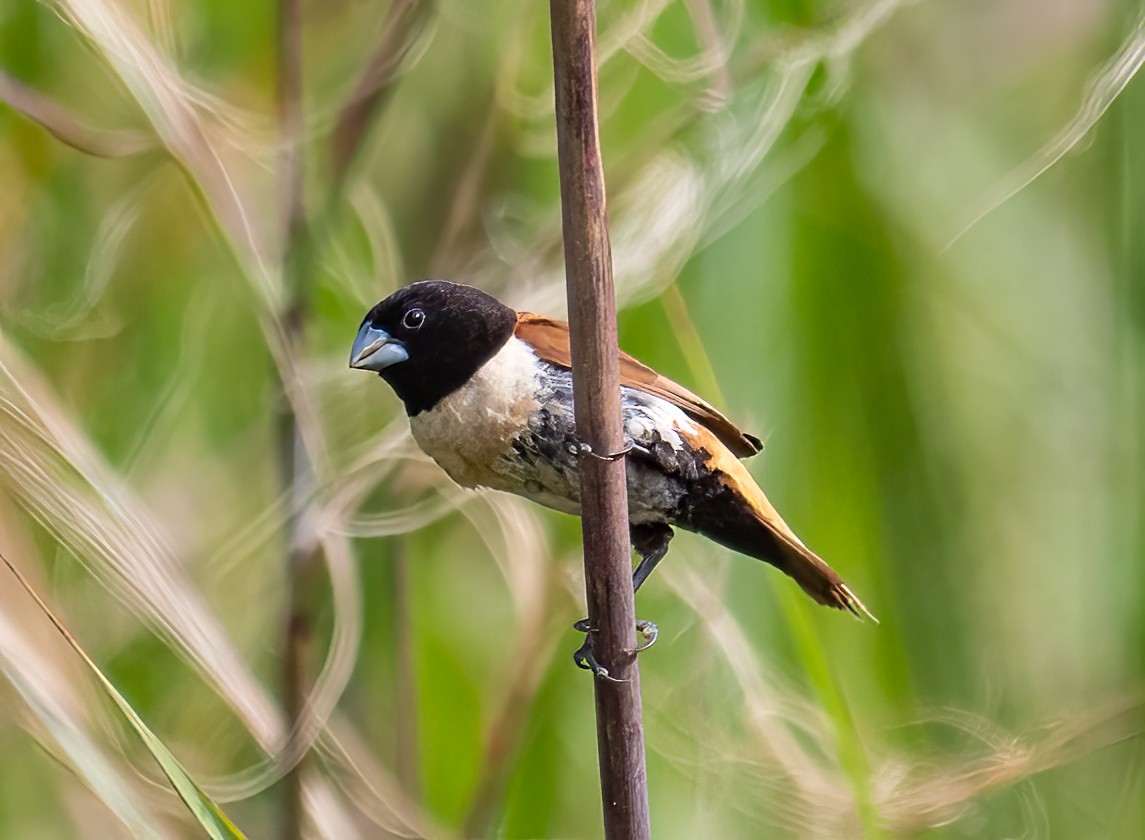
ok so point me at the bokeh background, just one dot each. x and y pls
(900, 241)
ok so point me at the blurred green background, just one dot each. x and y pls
(900, 241)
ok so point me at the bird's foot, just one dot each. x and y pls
(584, 658)
(581, 448)
(649, 631)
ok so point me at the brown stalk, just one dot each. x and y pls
(403, 22)
(466, 196)
(398, 32)
(60, 123)
(596, 397)
(296, 471)
(401, 25)
(405, 675)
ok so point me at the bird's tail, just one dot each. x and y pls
(764, 535)
(816, 578)
(741, 518)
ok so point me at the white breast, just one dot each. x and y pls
(472, 432)
(468, 430)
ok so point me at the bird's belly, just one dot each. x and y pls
(527, 445)
(470, 446)
(501, 456)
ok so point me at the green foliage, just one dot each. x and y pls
(953, 417)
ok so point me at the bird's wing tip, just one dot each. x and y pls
(854, 605)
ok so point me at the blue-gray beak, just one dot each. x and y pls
(376, 349)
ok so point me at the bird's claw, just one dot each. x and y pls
(584, 658)
(649, 631)
(582, 448)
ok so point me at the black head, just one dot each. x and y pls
(428, 338)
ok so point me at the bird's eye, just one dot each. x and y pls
(413, 319)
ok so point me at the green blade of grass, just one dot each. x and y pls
(208, 814)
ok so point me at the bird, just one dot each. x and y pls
(488, 391)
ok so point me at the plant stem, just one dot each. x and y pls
(296, 470)
(405, 673)
(596, 397)
(357, 114)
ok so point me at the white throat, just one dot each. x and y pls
(467, 430)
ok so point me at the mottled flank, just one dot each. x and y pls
(511, 427)
(550, 338)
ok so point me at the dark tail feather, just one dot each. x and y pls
(819, 580)
(741, 518)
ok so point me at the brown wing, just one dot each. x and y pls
(742, 519)
(550, 340)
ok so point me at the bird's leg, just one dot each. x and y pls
(650, 541)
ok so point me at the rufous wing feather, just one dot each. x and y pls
(550, 340)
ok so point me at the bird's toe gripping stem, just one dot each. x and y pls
(584, 658)
(582, 449)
